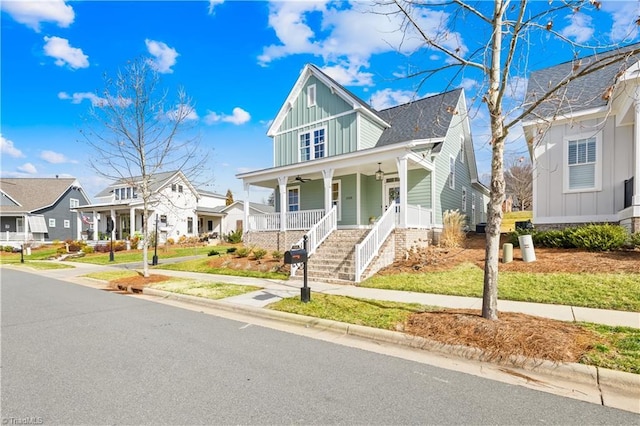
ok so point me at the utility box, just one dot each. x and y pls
(295, 256)
(526, 247)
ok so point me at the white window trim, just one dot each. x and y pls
(462, 149)
(73, 203)
(52, 222)
(598, 164)
(451, 177)
(311, 100)
(473, 207)
(311, 150)
(464, 199)
(67, 223)
(339, 202)
(291, 188)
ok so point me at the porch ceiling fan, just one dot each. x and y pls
(301, 179)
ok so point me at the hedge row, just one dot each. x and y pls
(595, 237)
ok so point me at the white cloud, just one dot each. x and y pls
(213, 4)
(624, 15)
(33, 13)
(77, 98)
(28, 168)
(238, 117)
(164, 56)
(64, 54)
(581, 28)
(53, 157)
(184, 113)
(388, 98)
(517, 88)
(7, 148)
(469, 83)
(349, 75)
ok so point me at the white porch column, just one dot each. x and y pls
(132, 221)
(247, 208)
(282, 188)
(402, 174)
(95, 225)
(327, 176)
(79, 227)
(26, 226)
(112, 213)
(636, 144)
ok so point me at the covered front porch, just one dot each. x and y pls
(361, 186)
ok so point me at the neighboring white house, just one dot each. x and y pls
(178, 207)
(585, 144)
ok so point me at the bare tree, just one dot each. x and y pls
(136, 130)
(519, 182)
(500, 54)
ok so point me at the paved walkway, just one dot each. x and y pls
(274, 290)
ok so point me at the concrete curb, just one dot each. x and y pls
(625, 384)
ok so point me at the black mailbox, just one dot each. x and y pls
(295, 256)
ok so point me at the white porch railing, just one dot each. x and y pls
(369, 247)
(294, 221)
(418, 217)
(15, 236)
(318, 233)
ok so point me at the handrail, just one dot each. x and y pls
(318, 233)
(369, 247)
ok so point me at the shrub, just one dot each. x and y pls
(259, 253)
(8, 249)
(213, 252)
(234, 237)
(182, 240)
(119, 246)
(87, 249)
(453, 229)
(231, 249)
(243, 252)
(601, 237)
(277, 255)
(635, 239)
(170, 241)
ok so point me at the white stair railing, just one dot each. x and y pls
(369, 247)
(317, 234)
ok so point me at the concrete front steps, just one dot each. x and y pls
(334, 261)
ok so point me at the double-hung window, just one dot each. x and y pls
(464, 199)
(293, 199)
(312, 144)
(582, 163)
(452, 172)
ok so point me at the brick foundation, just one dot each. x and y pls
(407, 238)
(273, 240)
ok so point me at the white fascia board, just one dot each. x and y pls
(11, 198)
(595, 112)
(352, 159)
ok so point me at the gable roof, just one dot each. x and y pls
(311, 70)
(158, 181)
(33, 194)
(426, 118)
(584, 93)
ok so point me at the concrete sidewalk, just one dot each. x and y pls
(274, 290)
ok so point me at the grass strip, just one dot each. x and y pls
(202, 265)
(207, 290)
(602, 291)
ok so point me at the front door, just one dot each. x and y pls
(391, 192)
(125, 226)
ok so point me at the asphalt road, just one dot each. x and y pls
(77, 355)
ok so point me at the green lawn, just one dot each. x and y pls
(207, 290)
(618, 348)
(131, 256)
(202, 265)
(36, 264)
(509, 220)
(602, 291)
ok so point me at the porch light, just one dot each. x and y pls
(379, 173)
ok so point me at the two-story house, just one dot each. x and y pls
(366, 177)
(176, 205)
(40, 209)
(584, 142)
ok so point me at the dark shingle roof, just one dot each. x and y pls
(425, 118)
(33, 193)
(583, 93)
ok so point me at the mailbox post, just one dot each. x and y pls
(297, 255)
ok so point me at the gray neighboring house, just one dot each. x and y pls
(40, 209)
(585, 144)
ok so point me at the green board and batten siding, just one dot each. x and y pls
(369, 132)
(340, 132)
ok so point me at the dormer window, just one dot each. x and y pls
(311, 96)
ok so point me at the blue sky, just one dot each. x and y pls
(238, 61)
